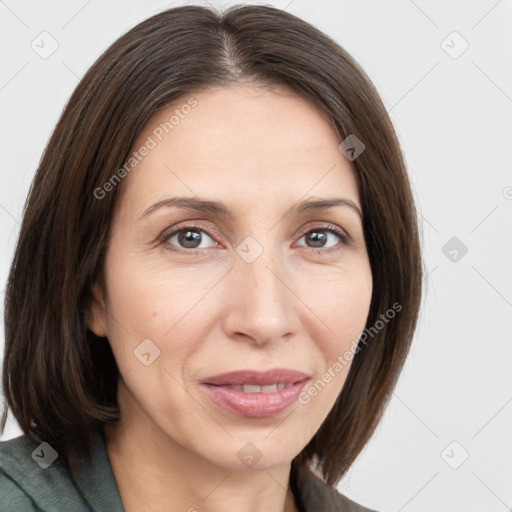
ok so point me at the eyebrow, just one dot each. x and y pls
(217, 208)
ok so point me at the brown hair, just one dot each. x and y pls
(59, 379)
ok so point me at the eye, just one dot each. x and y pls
(319, 235)
(188, 238)
(191, 237)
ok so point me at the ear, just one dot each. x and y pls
(97, 317)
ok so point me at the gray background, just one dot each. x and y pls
(453, 114)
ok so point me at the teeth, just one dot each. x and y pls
(253, 388)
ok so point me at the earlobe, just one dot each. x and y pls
(97, 318)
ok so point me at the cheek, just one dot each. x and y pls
(344, 307)
(135, 309)
(154, 302)
(142, 296)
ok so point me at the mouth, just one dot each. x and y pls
(254, 394)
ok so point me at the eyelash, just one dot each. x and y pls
(344, 239)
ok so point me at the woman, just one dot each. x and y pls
(217, 278)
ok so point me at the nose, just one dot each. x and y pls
(263, 306)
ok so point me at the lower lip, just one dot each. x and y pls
(254, 405)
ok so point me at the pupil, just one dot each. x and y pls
(317, 236)
(189, 237)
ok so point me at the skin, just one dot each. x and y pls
(260, 152)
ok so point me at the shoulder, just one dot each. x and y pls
(315, 495)
(349, 505)
(12, 496)
(32, 479)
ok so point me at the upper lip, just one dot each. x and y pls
(274, 376)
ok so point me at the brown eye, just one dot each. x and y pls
(188, 238)
(318, 237)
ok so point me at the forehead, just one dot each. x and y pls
(240, 143)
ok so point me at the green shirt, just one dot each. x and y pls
(25, 486)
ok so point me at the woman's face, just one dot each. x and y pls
(261, 286)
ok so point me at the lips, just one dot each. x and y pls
(253, 394)
(255, 378)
